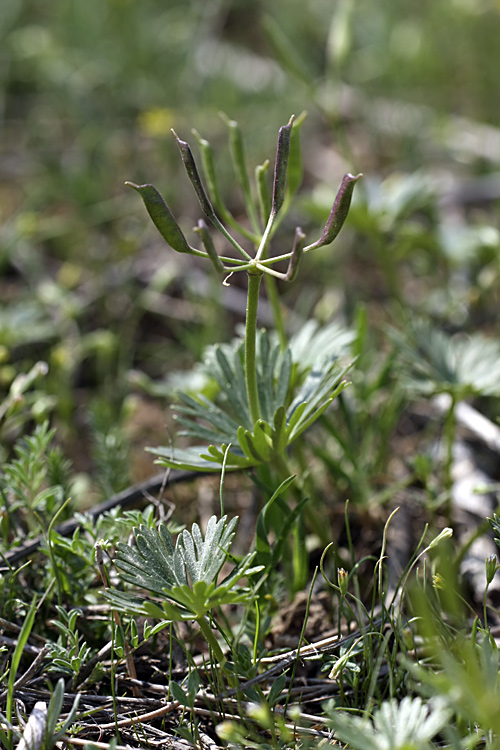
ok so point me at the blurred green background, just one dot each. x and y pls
(88, 93)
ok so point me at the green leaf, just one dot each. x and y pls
(312, 415)
(159, 566)
(203, 558)
(194, 459)
(279, 432)
(314, 342)
(155, 564)
(411, 724)
(130, 604)
(193, 684)
(235, 460)
(231, 377)
(254, 445)
(294, 416)
(262, 544)
(237, 147)
(178, 694)
(285, 530)
(16, 656)
(434, 362)
(277, 688)
(321, 386)
(227, 421)
(283, 381)
(206, 410)
(54, 711)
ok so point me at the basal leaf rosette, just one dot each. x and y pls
(290, 402)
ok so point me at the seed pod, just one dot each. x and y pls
(263, 193)
(237, 147)
(296, 257)
(281, 166)
(208, 163)
(339, 211)
(162, 218)
(209, 246)
(193, 174)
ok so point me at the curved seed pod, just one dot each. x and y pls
(281, 166)
(209, 246)
(194, 176)
(339, 211)
(162, 218)
(206, 206)
(213, 189)
(296, 257)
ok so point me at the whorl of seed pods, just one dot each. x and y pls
(268, 204)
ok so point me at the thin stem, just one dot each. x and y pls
(449, 437)
(274, 301)
(250, 345)
(212, 641)
(262, 249)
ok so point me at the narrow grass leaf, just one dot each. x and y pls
(16, 656)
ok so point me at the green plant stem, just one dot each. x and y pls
(216, 650)
(449, 437)
(254, 280)
(274, 301)
(212, 641)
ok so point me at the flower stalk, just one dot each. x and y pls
(254, 280)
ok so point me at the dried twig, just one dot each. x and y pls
(31, 671)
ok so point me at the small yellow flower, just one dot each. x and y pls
(438, 581)
(156, 122)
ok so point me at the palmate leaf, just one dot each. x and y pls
(183, 602)
(258, 446)
(195, 458)
(136, 605)
(313, 342)
(236, 442)
(184, 575)
(322, 385)
(495, 525)
(156, 564)
(434, 362)
(408, 725)
(203, 558)
(219, 423)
